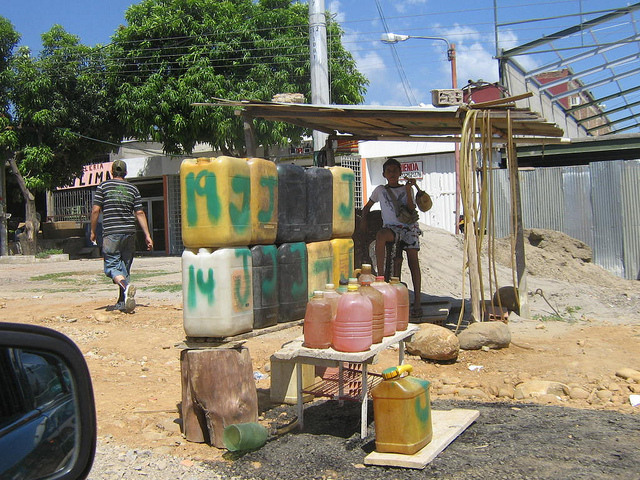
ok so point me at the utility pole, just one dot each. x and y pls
(4, 234)
(319, 64)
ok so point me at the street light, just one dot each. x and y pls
(451, 56)
(451, 50)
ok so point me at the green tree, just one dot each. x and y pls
(176, 53)
(58, 102)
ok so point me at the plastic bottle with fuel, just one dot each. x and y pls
(401, 412)
(317, 322)
(403, 303)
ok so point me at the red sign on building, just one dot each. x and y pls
(412, 169)
(92, 175)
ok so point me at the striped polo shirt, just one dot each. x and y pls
(118, 200)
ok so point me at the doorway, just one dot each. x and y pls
(154, 209)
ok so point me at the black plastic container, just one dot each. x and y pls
(292, 281)
(319, 204)
(265, 285)
(292, 204)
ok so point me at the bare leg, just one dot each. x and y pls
(382, 237)
(416, 276)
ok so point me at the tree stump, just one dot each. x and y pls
(218, 390)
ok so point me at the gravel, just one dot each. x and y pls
(508, 441)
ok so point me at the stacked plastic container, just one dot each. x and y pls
(259, 239)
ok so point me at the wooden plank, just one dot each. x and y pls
(433, 311)
(447, 426)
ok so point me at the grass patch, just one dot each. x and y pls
(568, 315)
(137, 276)
(49, 252)
(169, 288)
(56, 277)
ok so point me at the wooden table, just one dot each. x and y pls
(329, 357)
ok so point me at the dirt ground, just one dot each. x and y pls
(134, 359)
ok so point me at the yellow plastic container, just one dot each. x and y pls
(401, 412)
(319, 266)
(264, 201)
(344, 219)
(215, 201)
(342, 259)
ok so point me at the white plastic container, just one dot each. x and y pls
(217, 292)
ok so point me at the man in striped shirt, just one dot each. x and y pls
(121, 205)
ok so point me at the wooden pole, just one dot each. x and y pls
(249, 135)
(517, 230)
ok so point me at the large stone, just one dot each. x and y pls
(538, 388)
(433, 342)
(481, 334)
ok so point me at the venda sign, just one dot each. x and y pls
(92, 175)
(412, 169)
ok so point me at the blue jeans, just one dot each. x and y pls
(118, 250)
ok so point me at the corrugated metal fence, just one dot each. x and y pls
(598, 204)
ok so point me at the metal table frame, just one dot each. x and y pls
(331, 358)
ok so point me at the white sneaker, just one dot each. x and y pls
(129, 300)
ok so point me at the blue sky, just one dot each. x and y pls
(470, 25)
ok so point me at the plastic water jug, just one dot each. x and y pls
(352, 328)
(332, 295)
(319, 204)
(320, 265)
(377, 303)
(344, 218)
(266, 304)
(317, 322)
(390, 305)
(401, 412)
(402, 293)
(365, 274)
(292, 204)
(342, 259)
(217, 292)
(215, 202)
(292, 281)
(264, 201)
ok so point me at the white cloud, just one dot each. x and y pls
(336, 8)
(370, 64)
(509, 39)
(401, 6)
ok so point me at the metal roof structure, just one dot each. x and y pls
(362, 122)
(598, 74)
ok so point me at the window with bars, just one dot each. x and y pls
(353, 162)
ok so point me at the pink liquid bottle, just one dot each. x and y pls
(317, 322)
(403, 303)
(365, 274)
(377, 302)
(390, 305)
(333, 297)
(352, 329)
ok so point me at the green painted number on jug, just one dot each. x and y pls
(323, 266)
(270, 282)
(240, 216)
(422, 408)
(346, 209)
(299, 289)
(203, 184)
(242, 295)
(270, 183)
(197, 284)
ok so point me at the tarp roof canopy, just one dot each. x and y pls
(362, 122)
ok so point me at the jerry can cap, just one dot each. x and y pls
(393, 372)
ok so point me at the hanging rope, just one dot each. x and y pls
(476, 153)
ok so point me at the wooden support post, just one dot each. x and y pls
(218, 390)
(249, 135)
(518, 231)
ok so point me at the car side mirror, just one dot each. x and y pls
(47, 408)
